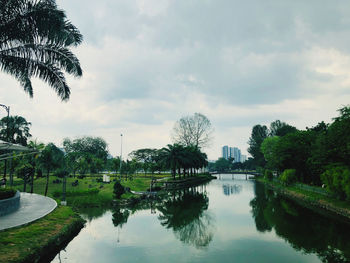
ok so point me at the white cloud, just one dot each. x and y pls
(148, 63)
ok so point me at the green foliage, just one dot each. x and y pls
(118, 190)
(6, 193)
(269, 149)
(268, 175)
(86, 154)
(222, 165)
(337, 181)
(15, 129)
(25, 170)
(35, 41)
(61, 173)
(259, 133)
(288, 177)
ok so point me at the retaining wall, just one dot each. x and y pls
(9, 205)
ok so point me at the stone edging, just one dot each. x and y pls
(10, 205)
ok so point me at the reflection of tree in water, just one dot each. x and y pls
(92, 212)
(231, 189)
(185, 213)
(304, 229)
(120, 216)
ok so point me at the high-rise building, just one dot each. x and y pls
(225, 153)
(236, 155)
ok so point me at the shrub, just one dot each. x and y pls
(288, 177)
(337, 181)
(268, 175)
(118, 190)
(6, 193)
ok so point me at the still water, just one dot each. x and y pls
(226, 220)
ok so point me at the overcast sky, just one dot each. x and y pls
(147, 63)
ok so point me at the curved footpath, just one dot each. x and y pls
(32, 207)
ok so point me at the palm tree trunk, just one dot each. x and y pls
(47, 181)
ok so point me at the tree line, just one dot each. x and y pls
(89, 155)
(319, 155)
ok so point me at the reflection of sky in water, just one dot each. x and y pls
(144, 239)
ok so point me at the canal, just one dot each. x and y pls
(225, 220)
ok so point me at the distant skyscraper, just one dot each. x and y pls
(233, 152)
(236, 154)
(225, 153)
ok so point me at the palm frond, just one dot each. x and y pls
(34, 40)
(23, 69)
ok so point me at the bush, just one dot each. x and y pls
(337, 181)
(6, 193)
(268, 175)
(288, 177)
(118, 190)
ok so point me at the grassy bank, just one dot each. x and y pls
(40, 239)
(310, 198)
(90, 192)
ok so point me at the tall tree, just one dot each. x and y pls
(259, 133)
(147, 157)
(172, 156)
(193, 130)
(51, 157)
(35, 41)
(279, 128)
(95, 146)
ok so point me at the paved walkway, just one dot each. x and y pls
(31, 208)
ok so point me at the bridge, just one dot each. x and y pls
(246, 173)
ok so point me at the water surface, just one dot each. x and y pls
(227, 220)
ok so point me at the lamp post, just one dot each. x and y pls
(7, 108)
(121, 154)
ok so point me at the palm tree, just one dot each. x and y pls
(35, 37)
(172, 156)
(15, 129)
(51, 157)
(37, 146)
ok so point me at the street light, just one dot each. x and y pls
(7, 108)
(121, 153)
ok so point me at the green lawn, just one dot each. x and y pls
(18, 244)
(81, 195)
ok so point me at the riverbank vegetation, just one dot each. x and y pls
(40, 239)
(317, 156)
